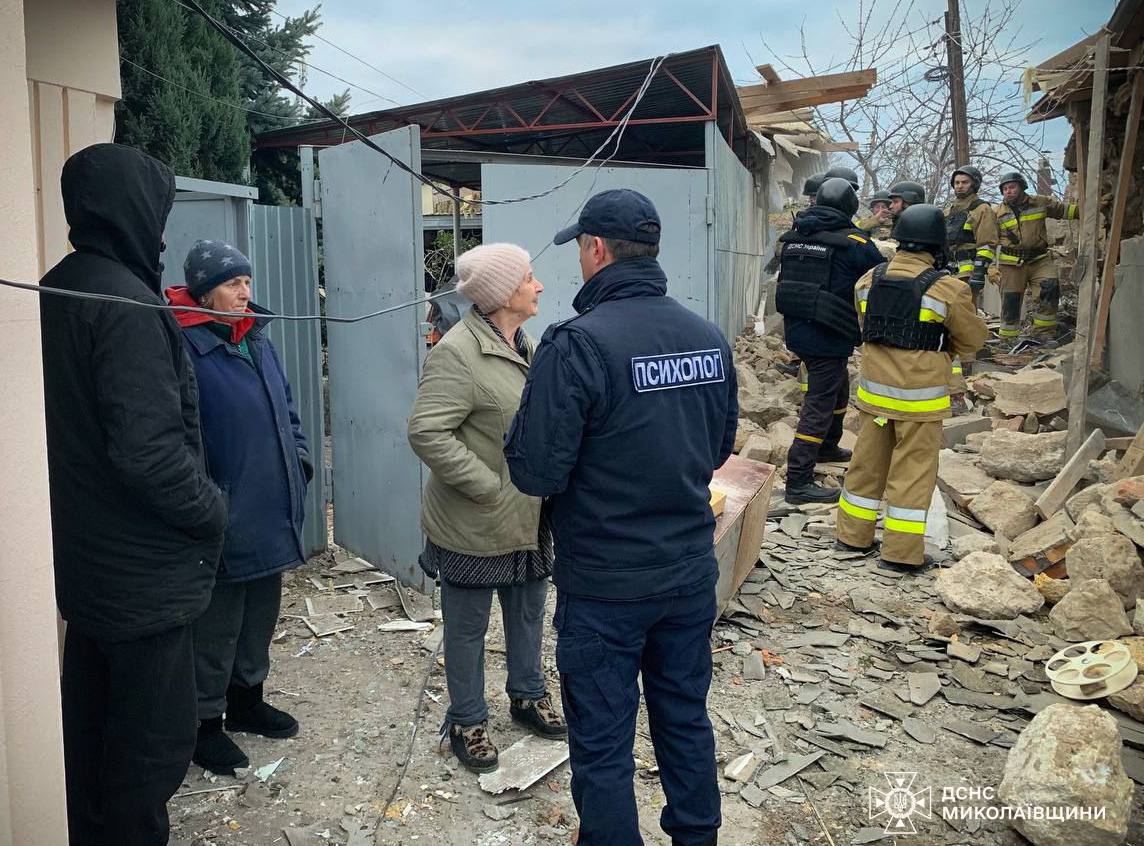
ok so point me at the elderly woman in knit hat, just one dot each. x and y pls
(256, 452)
(482, 534)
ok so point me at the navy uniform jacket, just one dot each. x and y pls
(806, 338)
(628, 410)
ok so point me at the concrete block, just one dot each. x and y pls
(1125, 340)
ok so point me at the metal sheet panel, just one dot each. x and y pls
(371, 222)
(286, 282)
(740, 222)
(680, 196)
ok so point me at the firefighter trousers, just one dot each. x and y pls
(820, 420)
(895, 460)
(1038, 277)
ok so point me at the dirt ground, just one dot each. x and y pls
(354, 694)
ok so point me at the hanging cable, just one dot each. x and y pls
(131, 301)
(321, 108)
(373, 68)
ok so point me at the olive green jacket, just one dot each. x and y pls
(469, 392)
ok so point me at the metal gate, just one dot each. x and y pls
(680, 197)
(371, 223)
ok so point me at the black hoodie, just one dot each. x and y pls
(136, 522)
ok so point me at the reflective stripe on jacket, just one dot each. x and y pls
(914, 384)
(1024, 235)
(982, 223)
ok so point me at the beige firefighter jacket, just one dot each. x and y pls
(1024, 235)
(982, 223)
(914, 384)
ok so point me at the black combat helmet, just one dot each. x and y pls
(1013, 176)
(843, 173)
(921, 227)
(810, 187)
(880, 197)
(839, 194)
(911, 193)
(968, 170)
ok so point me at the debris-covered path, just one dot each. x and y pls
(859, 680)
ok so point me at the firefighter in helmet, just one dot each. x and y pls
(971, 234)
(821, 259)
(915, 317)
(1023, 256)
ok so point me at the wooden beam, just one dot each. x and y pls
(1132, 464)
(761, 104)
(789, 116)
(768, 73)
(812, 84)
(1050, 502)
(1119, 203)
(1118, 444)
(837, 146)
(1086, 254)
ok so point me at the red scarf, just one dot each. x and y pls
(177, 295)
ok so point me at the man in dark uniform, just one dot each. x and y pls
(628, 409)
(822, 258)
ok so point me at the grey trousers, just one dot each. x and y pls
(466, 614)
(232, 640)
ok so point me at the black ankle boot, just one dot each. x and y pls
(834, 453)
(247, 711)
(798, 493)
(215, 751)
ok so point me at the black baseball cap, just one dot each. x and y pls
(620, 214)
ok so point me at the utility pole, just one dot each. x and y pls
(957, 83)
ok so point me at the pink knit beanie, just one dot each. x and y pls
(490, 274)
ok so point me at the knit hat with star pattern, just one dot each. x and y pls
(210, 264)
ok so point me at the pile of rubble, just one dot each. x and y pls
(1038, 551)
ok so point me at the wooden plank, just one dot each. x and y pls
(1119, 204)
(1086, 254)
(1132, 464)
(768, 73)
(739, 530)
(813, 84)
(1051, 501)
(837, 146)
(1118, 444)
(775, 102)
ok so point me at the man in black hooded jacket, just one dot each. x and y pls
(821, 259)
(137, 525)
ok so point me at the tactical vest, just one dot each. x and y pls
(894, 309)
(958, 229)
(804, 272)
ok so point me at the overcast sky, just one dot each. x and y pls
(451, 47)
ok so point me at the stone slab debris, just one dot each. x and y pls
(1130, 525)
(754, 668)
(867, 835)
(337, 603)
(919, 731)
(1070, 757)
(524, 763)
(973, 541)
(822, 743)
(1005, 508)
(752, 795)
(960, 477)
(971, 678)
(417, 606)
(974, 731)
(845, 730)
(807, 694)
(323, 625)
(824, 639)
(1030, 391)
(1079, 502)
(404, 626)
(351, 566)
(954, 430)
(963, 651)
(1091, 610)
(1130, 700)
(984, 585)
(1111, 557)
(878, 633)
(1053, 534)
(1021, 457)
(789, 768)
(741, 769)
(886, 704)
(923, 686)
(380, 599)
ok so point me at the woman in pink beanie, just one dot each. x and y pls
(482, 534)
